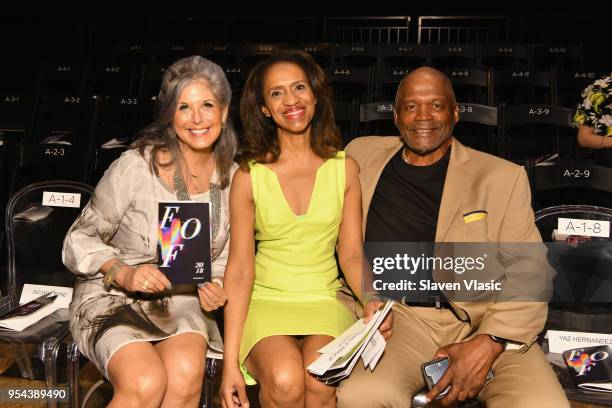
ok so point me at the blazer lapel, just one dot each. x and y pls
(455, 185)
(369, 179)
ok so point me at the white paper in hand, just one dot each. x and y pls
(372, 349)
(349, 346)
(339, 347)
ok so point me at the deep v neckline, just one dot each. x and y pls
(312, 193)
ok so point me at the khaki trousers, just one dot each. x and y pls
(522, 380)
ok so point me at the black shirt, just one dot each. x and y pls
(406, 201)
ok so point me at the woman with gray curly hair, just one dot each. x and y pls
(146, 336)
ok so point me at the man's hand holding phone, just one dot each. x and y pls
(469, 363)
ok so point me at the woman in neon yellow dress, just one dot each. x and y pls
(294, 200)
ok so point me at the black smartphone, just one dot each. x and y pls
(30, 307)
(433, 371)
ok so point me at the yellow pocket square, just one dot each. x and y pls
(474, 216)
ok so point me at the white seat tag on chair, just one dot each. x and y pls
(59, 199)
(210, 353)
(585, 228)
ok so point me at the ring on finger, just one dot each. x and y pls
(145, 284)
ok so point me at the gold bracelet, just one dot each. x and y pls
(109, 278)
(218, 281)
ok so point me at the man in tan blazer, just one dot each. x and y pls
(427, 183)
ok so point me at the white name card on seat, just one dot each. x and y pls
(59, 199)
(585, 228)
(31, 292)
(560, 341)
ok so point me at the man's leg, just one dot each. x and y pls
(524, 380)
(397, 375)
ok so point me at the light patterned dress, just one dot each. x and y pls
(120, 221)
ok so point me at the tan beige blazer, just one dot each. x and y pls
(475, 181)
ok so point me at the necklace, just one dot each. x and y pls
(195, 178)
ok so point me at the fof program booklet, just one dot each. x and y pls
(591, 367)
(36, 303)
(338, 358)
(184, 242)
(25, 315)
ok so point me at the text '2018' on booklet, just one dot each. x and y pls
(184, 242)
(591, 367)
(339, 357)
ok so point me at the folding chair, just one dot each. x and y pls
(519, 87)
(168, 52)
(504, 56)
(386, 81)
(346, 119)
(356, 55)
(578, 182)
(471, 85)
(133, 52)
(570, 84)
(252, 53)
(454, 55)
(61, 144)
(375, 30)
(395, 61)
(558, 56)
(112, 78)
(404, 55)
(463, 30)
(478, 127)
(321, 52)
(223, 53)
(530, 131)
(119, 120)
(377, 119)
(16, 122)
(350, 83)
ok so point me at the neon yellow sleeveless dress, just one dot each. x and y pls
(296, 276)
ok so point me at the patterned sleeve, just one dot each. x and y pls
(88, 242)
(595, 110)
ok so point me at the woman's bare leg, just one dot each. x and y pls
(276, 363)
(184, 357)
(318, 394)
(138, 376)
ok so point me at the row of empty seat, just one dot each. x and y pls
(84, 148)
(133, 71)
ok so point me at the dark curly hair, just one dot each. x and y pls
(260, 132)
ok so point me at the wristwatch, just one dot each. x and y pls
(499, 340)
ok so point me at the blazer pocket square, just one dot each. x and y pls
(474, 216)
